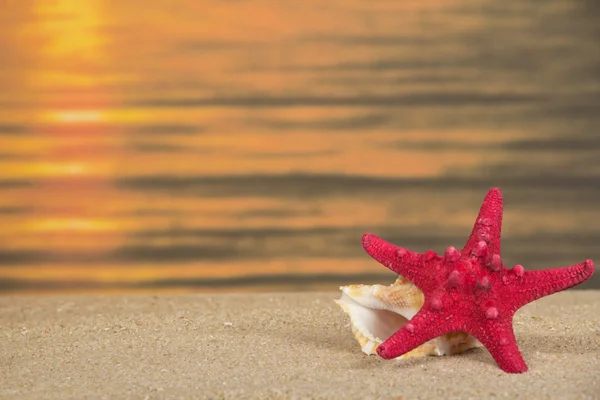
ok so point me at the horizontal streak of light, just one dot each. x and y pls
(76, 116)
(213, 270)
(72, 225)
(48, 169)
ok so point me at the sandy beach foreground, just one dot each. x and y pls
(259, 346)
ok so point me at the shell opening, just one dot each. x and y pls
(373, 323)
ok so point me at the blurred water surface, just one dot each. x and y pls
(229, 145)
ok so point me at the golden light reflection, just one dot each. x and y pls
(75, 116)
(72, 225)
(103, 115)
(55, 169)
(72, 28)
(70, 120)
(150, 272)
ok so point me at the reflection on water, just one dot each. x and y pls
(176, 146)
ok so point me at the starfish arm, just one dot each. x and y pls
(537, 284)
(488, 224)
(499, 339)
(400, 260)
(424, 326)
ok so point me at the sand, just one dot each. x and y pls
(259, 346)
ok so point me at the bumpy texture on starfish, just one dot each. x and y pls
(471, 290)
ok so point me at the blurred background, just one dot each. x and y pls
(247, 145)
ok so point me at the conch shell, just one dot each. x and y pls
(376, 312)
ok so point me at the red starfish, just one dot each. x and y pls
(471, 290)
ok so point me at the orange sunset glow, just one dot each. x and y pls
(225, 146)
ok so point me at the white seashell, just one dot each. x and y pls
(377, 312)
